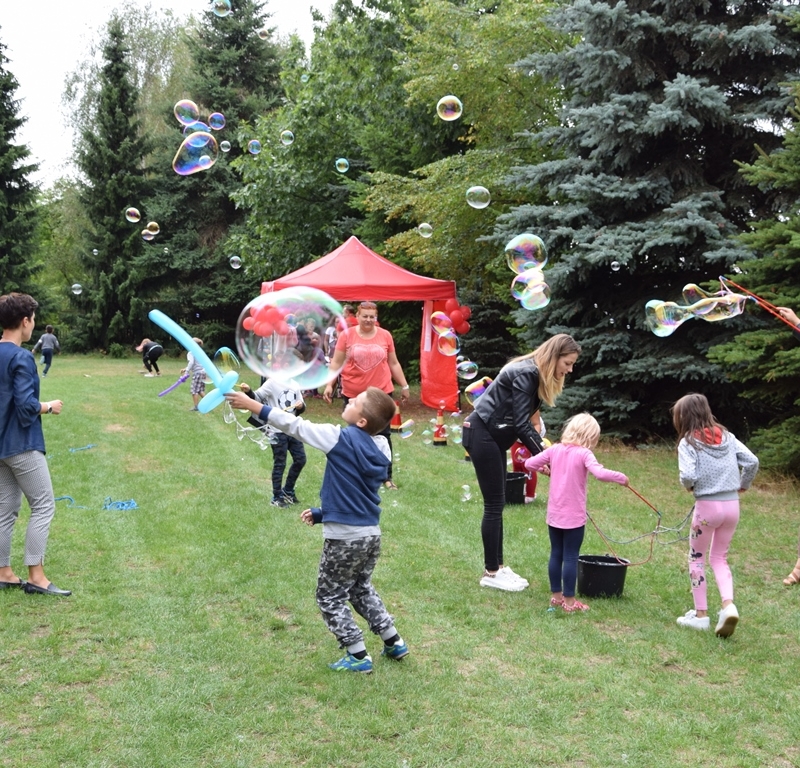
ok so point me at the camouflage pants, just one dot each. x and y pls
(345, 574)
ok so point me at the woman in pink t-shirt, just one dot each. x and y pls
(365, 354)
(568, 463)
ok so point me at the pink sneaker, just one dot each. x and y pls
(576, 606)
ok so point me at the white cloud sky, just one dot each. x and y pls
(44, 41)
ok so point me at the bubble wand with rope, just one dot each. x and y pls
(659, 529)
(763, 303)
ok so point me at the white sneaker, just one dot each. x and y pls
(513, 575)
(728, 619)
(691, 620)
(149, 375)
(502, 580)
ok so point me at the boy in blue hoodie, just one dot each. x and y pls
(357, 460)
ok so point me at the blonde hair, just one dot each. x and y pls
(546, 357)
(582, 429)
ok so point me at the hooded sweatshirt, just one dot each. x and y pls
(717, 467)
(357, 465)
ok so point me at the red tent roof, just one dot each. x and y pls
(353, 272)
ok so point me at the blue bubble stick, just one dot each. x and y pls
(224, 384)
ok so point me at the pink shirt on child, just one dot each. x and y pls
(569, 470)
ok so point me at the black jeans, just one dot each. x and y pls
(489, 461)
(283, 445)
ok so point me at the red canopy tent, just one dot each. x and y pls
(354, 272)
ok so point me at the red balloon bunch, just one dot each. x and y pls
(266, 320)
(459, 316)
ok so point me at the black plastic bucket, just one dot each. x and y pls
(601, 575)
(515, 487)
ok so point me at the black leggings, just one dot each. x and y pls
(149, 358)
(489, 461)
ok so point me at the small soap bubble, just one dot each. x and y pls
(225, 146)
(254, 146)
(166, 251)
(225, 360)
(441, 323)
(216, 121)
(425, 229)
(407, 429)
(153, 227)
(455, 67)
(526, 252)
(466, 370)
(342, 165)
(221, 8)
(263, 33)
(235, 262)
(466, 493)
(304, 78)
(186, 112)
(456, 433)
(198, 152)
(272, 335)
(147, 235)
(615, 265)
(287, 138)
(95, 252)
(449, 108)
(77, 289)
(133, 215)
(427, 436)
(478, 197)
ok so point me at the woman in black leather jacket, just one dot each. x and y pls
(502, 415)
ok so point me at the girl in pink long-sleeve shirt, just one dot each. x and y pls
(569, 463)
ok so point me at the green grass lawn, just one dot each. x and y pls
(192, 637)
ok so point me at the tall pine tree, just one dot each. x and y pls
(235, 72)
(767, 361)
(663, 99)
(111, 159)
(17, 192)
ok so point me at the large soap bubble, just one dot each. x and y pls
(273, 340)
(526, 252)
(186, 112)
(221, 8)
(530, 289)
(466, 370)
(198, 152)
(476, 389)
(449, 108)
(448, 344)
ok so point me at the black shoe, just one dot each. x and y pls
(50, 589)
(12, 584)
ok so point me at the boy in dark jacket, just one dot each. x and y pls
(350, 514)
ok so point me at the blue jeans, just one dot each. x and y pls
(565, 546)
(292, 445)
(47, 356)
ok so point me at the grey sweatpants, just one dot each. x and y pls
(345, 574)
(26, 473)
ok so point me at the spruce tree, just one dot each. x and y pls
(17, 192)
(186, 270)
(111, 159)
(767, 360)
(645, 196)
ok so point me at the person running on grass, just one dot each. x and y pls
(568, 463)
(716, 467)
(357, 459)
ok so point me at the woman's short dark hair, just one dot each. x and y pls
(14, 308)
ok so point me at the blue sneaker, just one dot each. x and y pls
(289, 496)
(280, 501)
(396, 651)
(350, 663)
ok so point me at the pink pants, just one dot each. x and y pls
(713, 526)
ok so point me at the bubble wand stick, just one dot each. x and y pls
(224, 383)
(763, 303)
